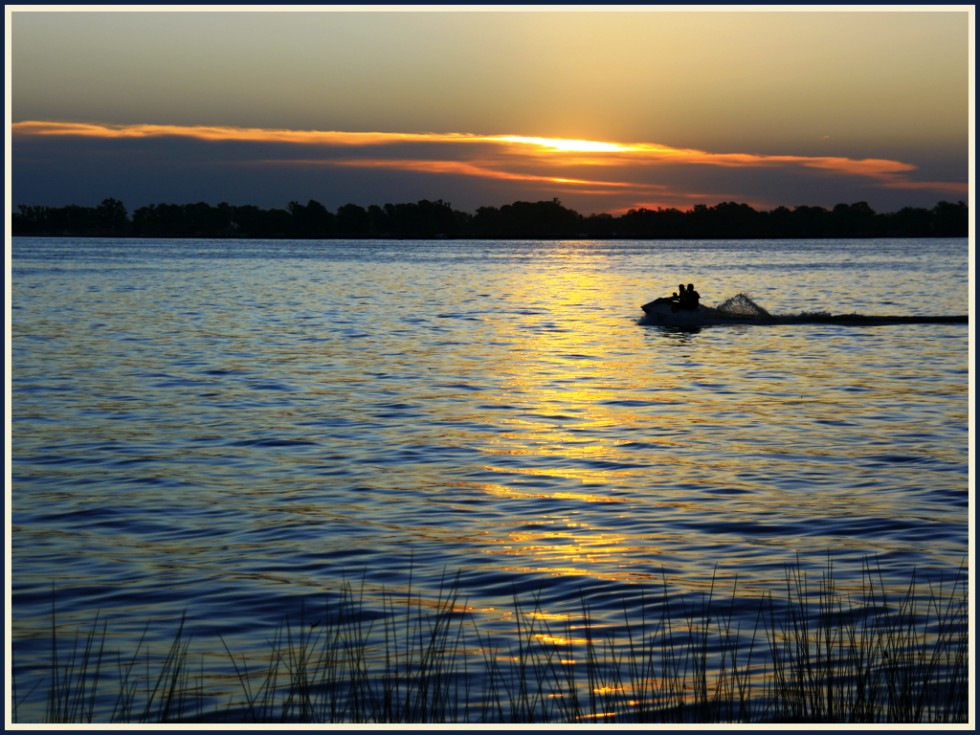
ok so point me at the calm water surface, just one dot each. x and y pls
(233, 429)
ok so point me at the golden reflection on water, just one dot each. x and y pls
(568, 380)
(564, 383)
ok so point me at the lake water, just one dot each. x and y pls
(233, 429)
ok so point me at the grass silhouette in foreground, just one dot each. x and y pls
(816, 655)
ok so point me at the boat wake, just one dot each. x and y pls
(740, 309)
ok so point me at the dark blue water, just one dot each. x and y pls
(234, 429)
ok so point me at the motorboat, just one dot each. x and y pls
(667, 313)
(741, 309)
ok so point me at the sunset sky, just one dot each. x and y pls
(606, 108)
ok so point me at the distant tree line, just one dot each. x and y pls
(520, 220)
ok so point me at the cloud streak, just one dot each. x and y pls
(632, 172)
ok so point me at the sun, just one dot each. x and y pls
(566, 145)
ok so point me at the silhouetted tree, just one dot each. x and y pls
(643, 223)
(251, 221)
(951, 219)
(112, 218)
(853, 220)
(311, 220)
(183, 220)
(779, 222)
(30, 220)
(422, 220)
(600, 226)
(531, 220)
(811, 222)
(527, 220)
(733, 217)
(352, 221)
(908, 221)
(377, 221)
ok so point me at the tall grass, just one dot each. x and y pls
(815, 654)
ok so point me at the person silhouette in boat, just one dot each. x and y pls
(677, 298)
(689, 298)
(684, 298)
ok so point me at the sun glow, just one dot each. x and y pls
(565, 145)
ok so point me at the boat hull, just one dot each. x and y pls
(665, 314)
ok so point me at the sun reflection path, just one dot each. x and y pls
(560, 387)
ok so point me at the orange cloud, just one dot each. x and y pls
(508, 157)
(219, 133)
(463, 168)
(949, 187)
(444, 167)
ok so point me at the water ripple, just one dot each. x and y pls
(236, 435)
